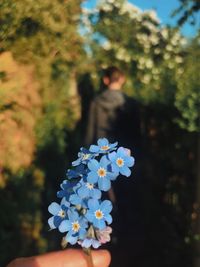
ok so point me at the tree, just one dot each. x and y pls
(188, 93)
(40, 53)
(188, 10)
(20, 107)
(188, 103)
(148, 52)
(36, 32)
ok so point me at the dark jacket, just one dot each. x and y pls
(115, 116)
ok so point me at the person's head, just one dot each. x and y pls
(113, 78)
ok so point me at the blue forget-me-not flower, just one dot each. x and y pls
(121, 161)
(99, 213)
(75, 225)
(103, 146)
(82, 214)
(100, 173)
(88, 190)
(59, 213)
(83, 157)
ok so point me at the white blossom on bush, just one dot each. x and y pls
(135, 39)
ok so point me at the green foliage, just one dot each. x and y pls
(188, 92)
(21, 219)
(38, 32)
(20, 107)
(188, 11)
(35, 29)
(148, 53)
(39, 107)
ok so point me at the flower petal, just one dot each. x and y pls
(54, 208)
(100, 224)
(50, 222)
(73, 215)
(75, 199)
(125, 171)
(129, 161)
(95, 193)
(104, 162)
(83, 191)
(104, 184)
(92, 177)
(93, 204)
(95, 243)
(102, 142)
(113, 175)
(106, 206)
(76, 162)
(112, 156)
(71, 239)
(65, 226)
(90, 216)
(86, 243)
(82, 233)
(121, 151)
(115, 169)
(93, 165)
(64, 202)
(57, 220)
(94, 149)
(114, 144)
(108, 218)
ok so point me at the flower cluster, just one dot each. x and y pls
(81, 214)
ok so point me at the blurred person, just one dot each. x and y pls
(65, 258)
(115, 116)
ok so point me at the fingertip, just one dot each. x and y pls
(102, 258)
(22, 262)
(65, 258)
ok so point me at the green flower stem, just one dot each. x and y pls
(89, 257)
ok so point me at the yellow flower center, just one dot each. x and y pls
(61, 213)
(75, 226)
(105, 147)
(120, 162)
(85, 156)
(101, 172)
(89, 186)
(98, 214)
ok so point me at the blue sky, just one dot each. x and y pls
(164, 8)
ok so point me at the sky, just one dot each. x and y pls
(164, 9)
